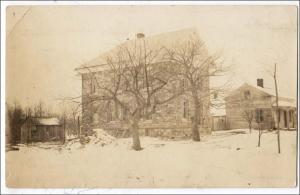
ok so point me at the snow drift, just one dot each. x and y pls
(99, 138)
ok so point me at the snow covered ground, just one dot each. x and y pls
(223, 159)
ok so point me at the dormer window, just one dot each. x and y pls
(247, 94)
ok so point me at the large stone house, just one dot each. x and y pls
(170, 119)
(261, 102)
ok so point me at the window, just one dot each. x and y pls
(51, 131)
(113, 80)
(215, 95)
(278, 115)
(109, 112)
(186, 109)
(247, 94)
(34, 132)
(259, 115)
(95, 118)
(93, 86)
(123, 113)
(184, 83)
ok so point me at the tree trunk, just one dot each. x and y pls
(259, 134)
(195, 121)
(250, 128)
(78, 127)
(136, 145)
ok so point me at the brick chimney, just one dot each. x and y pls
(140, 35)
(260, 83)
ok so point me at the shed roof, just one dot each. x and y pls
(45, 121)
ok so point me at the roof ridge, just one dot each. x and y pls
(262, 89)
(184, 31)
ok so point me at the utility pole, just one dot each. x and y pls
(277, 109)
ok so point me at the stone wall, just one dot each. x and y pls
(170, 130)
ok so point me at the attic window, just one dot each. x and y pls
(247, 94)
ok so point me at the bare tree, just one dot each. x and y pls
(39, 110)
(14, 120)
(248, 116)
(260, 132)
(196, 66)
(247, 112)
(136, 81)
(70, 114)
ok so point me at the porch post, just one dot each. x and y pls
(288, 118)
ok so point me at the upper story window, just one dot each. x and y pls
(109, 112)
(93, 85)
(186, 109)
(247, 94)
(184, 83)
(215, 95)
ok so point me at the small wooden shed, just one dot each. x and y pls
(218, 119)
(41, 129)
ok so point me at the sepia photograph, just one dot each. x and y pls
(150, 96)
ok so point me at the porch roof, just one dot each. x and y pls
(53, 121)
(285, 104)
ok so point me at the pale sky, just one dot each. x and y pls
(48, 43)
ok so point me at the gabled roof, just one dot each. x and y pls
(267, 91)
(154, 42)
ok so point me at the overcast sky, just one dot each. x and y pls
(45, 44)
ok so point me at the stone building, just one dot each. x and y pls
(261, 102)
(170, 119)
